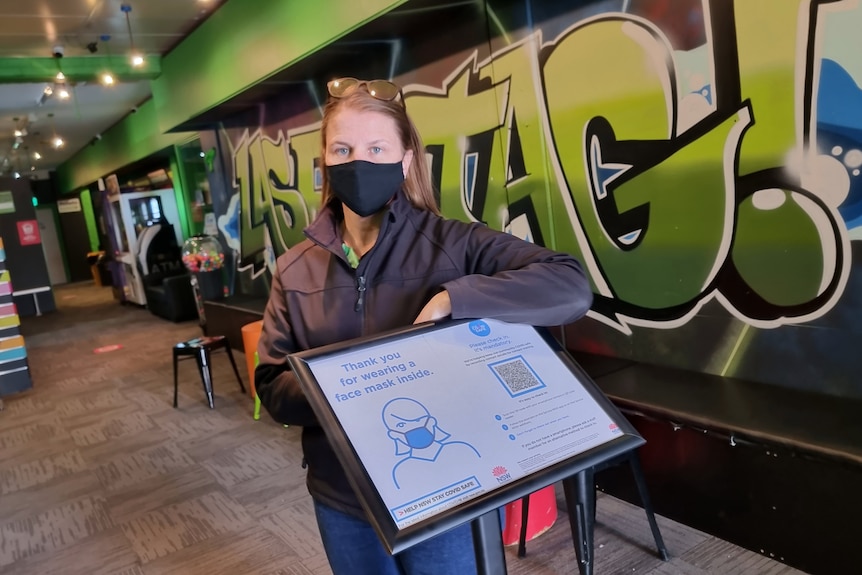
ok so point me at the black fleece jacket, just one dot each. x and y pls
(317, 298)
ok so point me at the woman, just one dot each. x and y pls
(379, 256)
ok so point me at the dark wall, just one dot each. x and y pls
(73, 232)
(44, 190)
(26, 263)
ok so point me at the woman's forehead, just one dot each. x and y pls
(366, 125)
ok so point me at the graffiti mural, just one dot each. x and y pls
(713, 161)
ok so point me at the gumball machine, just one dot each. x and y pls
(203, 256)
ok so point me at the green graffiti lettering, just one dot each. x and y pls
(251, 215)
(655, 217)
(524, 157)
(273, 210)
(787, 247)
(766, 34)
(465, 125)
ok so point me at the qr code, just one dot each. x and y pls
(516, 375)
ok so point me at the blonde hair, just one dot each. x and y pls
(417, 185)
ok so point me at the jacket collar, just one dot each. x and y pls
(325, 230)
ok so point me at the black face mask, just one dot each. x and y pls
(365, 187)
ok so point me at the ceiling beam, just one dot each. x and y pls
(77, 69)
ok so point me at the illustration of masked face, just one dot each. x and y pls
(410, 425)
(420, 437)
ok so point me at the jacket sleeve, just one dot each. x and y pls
(275, 383)
(513, 280)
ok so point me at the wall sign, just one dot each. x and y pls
(7, 203)
(28, 233)
(69, 206)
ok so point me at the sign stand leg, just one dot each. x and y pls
(580, 492)
(488, 544)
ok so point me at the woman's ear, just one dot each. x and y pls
(405, 163)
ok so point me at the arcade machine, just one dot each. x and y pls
(131, 215)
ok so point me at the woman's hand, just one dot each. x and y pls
(440, 306)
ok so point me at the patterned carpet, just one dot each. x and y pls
(100, 475)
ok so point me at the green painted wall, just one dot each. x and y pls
(181, 192)
(90, 219)
(245, 42)
(134, 138)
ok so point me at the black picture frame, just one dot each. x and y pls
(396, 539)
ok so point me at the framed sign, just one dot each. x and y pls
(440, 423)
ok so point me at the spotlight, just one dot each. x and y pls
(58, 51)
(137, 60)
(58, 142)
(64, 94)
(107, 79)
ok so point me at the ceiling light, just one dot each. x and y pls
(136, 58)
(57, 141)
(63, 93)
(60, 77)
(48, 90)
(18, 133)
(37, 156)
(106, 78)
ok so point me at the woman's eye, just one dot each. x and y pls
(341, 151)
(376, 149)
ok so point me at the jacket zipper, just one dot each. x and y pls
(360, 293)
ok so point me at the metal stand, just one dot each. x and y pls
(580, 493)
(488, 544)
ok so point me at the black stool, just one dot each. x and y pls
(200, 349)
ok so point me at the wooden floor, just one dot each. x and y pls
(100, 475)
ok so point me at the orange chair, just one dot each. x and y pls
(250, 336)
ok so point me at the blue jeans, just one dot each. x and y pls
(353, 548)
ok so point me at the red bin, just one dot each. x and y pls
(540, 518)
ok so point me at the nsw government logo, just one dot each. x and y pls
(501, 474)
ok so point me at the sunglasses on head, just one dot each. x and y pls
(380, 89)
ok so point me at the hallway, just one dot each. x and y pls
(100, 475)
